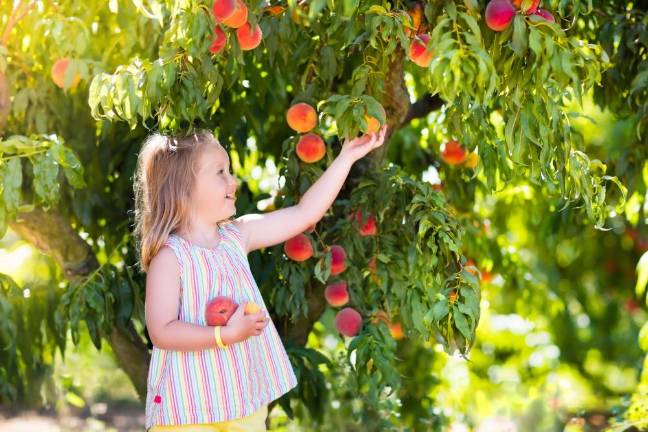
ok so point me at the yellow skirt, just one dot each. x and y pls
(255, 422)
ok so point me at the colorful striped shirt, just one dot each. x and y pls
(219, 384)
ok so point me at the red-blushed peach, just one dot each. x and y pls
(348, 322)
(336, 294)
(453, 153)
(219, 42)
(249, 39)
(239, 17)
(298, 248)
(301, 117)
(223, 9)
(310, 148)
(338, 260)
(531, 6)
(419, 53)
(499, 14)
(546, 15)
(396, 330)
(416, 14)
(368, 228)
(219, 310)
(59, 68)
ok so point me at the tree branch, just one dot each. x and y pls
(423, 107)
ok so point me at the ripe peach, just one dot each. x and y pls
(348, 321)
(219, 42)
(453, 153)
(336, 294)
(471, 160)
(223, 9)
(298, 248)
(301, 117)
(373, 124)
(546, 15)
(59, 68)
(531, 7)
(251, 308)
(274, 10)
(338, 260)
(310, 148)
(499, 14)
(239, 17)
(219, 310)
(369, 227)
(247, 38)
(416, 14)
(419, 53)
(396, 330)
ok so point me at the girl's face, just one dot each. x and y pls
(214, 192)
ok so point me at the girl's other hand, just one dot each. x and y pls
(241, 326)
(358, 147)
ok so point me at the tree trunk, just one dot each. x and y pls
(52, 234)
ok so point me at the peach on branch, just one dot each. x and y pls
(453, 153)
(219, 42)
(310, 148)
(548, 16)
(527, 6)
(499, 14)
(338, 259)
(419, 53)
(239, 17)
(59, 69)
(298, 248)
(223, 9)
(373, 124)
(248, 38)
(348, 322)
(336, 294)
(301, 117)
(368, 228)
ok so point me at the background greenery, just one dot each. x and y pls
(549, 335)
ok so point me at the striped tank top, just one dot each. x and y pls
(219, 384)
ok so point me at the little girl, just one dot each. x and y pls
(213, 378)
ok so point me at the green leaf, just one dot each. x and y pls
(11, 174)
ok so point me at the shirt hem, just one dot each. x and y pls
(209, 417)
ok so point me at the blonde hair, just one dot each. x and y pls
(164, 179)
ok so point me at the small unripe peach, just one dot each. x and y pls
(373, 124)
(251, 308)
(396, 330)
(348, 322)
(310, 148)
(471, 160)
(301, 117)
(298, 248)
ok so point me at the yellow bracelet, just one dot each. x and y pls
(217, 336)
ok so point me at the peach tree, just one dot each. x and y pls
(485, 94)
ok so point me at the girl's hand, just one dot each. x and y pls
(358, 147)
(240, 326)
